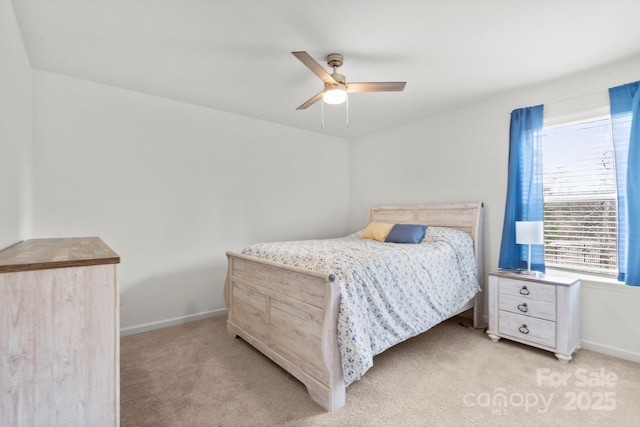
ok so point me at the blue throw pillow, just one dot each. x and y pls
(406, 233)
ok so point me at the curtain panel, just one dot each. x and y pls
(625, 106)
(524, 187)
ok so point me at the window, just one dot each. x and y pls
(580, 202)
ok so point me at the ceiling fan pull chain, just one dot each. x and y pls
(347, 108)
(322, 115)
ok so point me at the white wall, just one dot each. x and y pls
(462, 155)
(15, 130)
(172, 186)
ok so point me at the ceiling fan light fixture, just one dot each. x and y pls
(335, 94)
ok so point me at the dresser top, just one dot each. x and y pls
(556, 279)
(40, 254)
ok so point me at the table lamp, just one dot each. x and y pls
(529, 233)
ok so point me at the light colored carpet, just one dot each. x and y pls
(197, 375)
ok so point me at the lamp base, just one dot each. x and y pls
(529, 273)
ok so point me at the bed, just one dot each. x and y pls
(293, 315)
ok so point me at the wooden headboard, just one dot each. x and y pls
(465, 217)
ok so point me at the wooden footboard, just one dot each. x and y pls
(290, 315)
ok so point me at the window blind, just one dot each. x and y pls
(580, 197)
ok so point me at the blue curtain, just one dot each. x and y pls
(524, 187)
(625, 109)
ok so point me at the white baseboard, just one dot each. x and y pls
(611, 351)
(145, 327)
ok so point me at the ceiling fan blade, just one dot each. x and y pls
(376, 87)
(317, 97)
(313, 65)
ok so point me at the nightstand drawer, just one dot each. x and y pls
(526, 289)
(525, 328)
(527, 307)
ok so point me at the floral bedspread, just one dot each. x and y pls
(389, 291)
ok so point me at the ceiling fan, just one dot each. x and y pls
(335, 85)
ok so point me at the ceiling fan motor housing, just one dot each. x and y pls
(339, 78)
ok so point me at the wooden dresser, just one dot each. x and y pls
(59, 334)
(541, 311)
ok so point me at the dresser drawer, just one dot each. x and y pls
(528, 290)
(526, 328)
(528, 307)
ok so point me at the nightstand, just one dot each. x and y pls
(541, 311)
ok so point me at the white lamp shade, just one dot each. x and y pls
(529, 232)
(336, 95)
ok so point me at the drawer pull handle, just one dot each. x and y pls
(523, 307)
(524, 291)
(523, 329)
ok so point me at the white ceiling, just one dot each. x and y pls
(235, 55)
